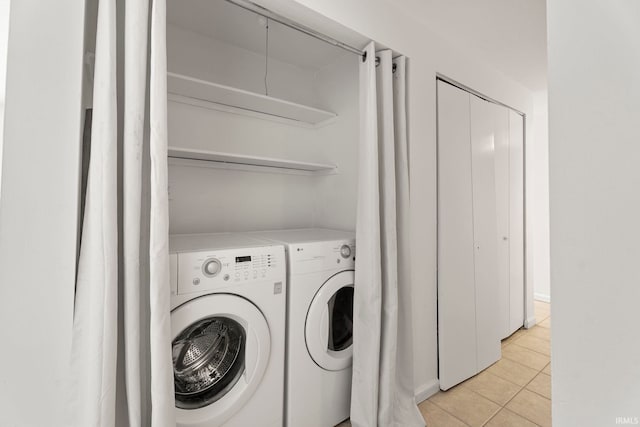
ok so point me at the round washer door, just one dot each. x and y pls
(329, 325)
(221, 345)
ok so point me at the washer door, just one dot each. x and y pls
(221, 345)
(329, 325)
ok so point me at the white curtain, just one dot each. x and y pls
(383, 391)
(124, 244)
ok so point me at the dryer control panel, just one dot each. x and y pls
(208, 270)
(321, 256)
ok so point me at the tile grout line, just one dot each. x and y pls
(533, 336)
(510, 381)
(542, 320)
(525, 386)
(535, 351)
(504, 379)
(522, 364)
(521, 388)
(507, 402)
(500, 408)
(482, 396)
(539, 371)
(515, 394)
(535, 392)
(521, 415)
(447, 412)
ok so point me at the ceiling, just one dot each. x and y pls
(231, 24)
(509, 34)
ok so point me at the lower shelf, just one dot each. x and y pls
(185, 156)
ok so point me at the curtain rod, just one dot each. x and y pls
(259, 10)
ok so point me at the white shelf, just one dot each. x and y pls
(201, 90)
(240, 161)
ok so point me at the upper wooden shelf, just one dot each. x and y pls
(227, 96)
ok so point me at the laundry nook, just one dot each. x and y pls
(319, 213)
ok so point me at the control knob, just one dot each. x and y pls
(211, 267)
(345, 251)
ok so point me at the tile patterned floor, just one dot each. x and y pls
(514, 392)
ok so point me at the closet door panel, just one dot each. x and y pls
(485, 233)
(456, 289)
(501, 146)
(516, 215)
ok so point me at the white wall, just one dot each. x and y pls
(4, 35)
(337, 87)
(203, 57)
(594, 106)
(39, 207)
(381, 21)
(211, 200)
(539, 175)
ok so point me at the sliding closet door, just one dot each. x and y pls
(485, 232)
(503, 220)
(456, 282)
(516, 215)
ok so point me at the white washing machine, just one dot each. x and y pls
(319, 324)
(228, 304)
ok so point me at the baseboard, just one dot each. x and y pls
(427, 390)
(530, 322)
(542, 297)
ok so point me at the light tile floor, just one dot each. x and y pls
(513, 392)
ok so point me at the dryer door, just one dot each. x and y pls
(221, 345)
(329, 325)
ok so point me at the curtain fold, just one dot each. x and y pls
(142, 244)
(135, 77)
(388, 239)
(94, 346)
(405, 404)
(162, 392)
(367, 290)
(382, 384)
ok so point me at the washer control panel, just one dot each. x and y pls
(207, 270)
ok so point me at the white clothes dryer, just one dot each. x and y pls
(319, 324)
(228, 304)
